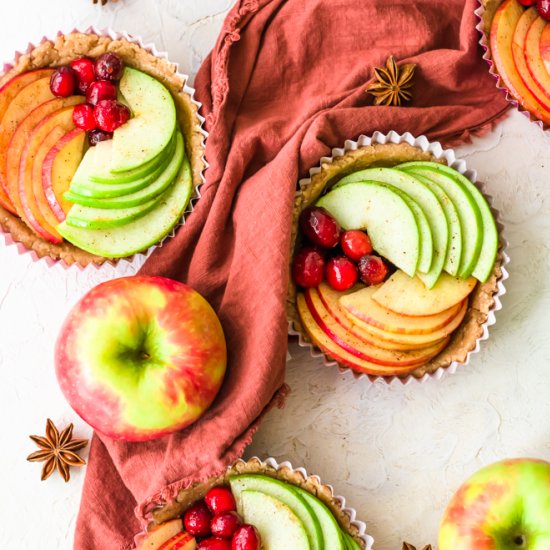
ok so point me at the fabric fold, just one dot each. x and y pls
(284, 84)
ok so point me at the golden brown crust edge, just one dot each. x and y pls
(482, 300)
(68, 47)
(255, 466)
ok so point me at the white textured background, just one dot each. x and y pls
(396, 453)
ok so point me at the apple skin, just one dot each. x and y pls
(141, 357)
(505, 506)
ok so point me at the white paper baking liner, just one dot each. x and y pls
(485, 44)
(136, 259)
(449, 156)
(270, 462)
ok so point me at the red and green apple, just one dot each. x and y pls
(505, 506)
(141, 357)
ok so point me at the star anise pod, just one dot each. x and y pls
(392, 83)
(102, 2)
(407, 546)
(57, 450)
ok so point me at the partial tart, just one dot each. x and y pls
(516, 40)
(437, 236)
(289, 509)
(82, 204)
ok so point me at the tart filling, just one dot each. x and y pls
(100, 149)
(396, 262)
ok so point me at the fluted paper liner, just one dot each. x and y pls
(390, 150)
(485, 13)
(346, 516)
(92, 42)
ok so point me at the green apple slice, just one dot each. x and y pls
(388, 218)
(139, 197)
(96, 160)
(286, 495)
(103, 174)
(139, 235)
(350, 542)
(489, 246)
(430, 205)
(454, 246)
(148, 133)
(468, 212)
(102, 218)
(279, 527)
(332, 534)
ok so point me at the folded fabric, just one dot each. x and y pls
(284, 84)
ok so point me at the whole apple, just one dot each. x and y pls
(505, 506)
(141, 357)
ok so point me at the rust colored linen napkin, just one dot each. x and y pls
(284, 84)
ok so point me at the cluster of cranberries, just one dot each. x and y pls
(322, 259)
(102, 114)
(215, 521)
(543, 7)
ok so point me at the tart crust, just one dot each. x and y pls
(62, 50)
(311, 484)
(481, 301)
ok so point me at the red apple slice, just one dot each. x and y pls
(544, 46)
(157, 536)
(59, 168)
(504, 24)
(519, 52)
(27, 99)
(181, 541)
(58, 123)
(533, 57)
(332, 300)
(361, 304)
(19, 139)
(359, 348)
(12, 87)
(332, 349)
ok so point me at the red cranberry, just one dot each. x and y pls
(320, 227)
(85, 73)
(197, 520)
(543, 7)
(220, 499)
(341, 273)
(83, 117)
(356, 244)
(63, 82)
(99, 90)
(95, 136)
(308, 267)
(527, 2)
(110, 115)
(246, 538)
(109, 66)
(214, 543)
(372, 270)
(225, 524)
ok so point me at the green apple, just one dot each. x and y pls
(505, 506)
(389, 219)
(468, 211)
(139, 235)
(427, 201)
(278, 525)
(350, 542)
(152, 126)
(283, 493)
(153, 190)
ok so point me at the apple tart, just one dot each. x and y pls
(516, 40)
(101, 148)
(256, 505)
(397, 260)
